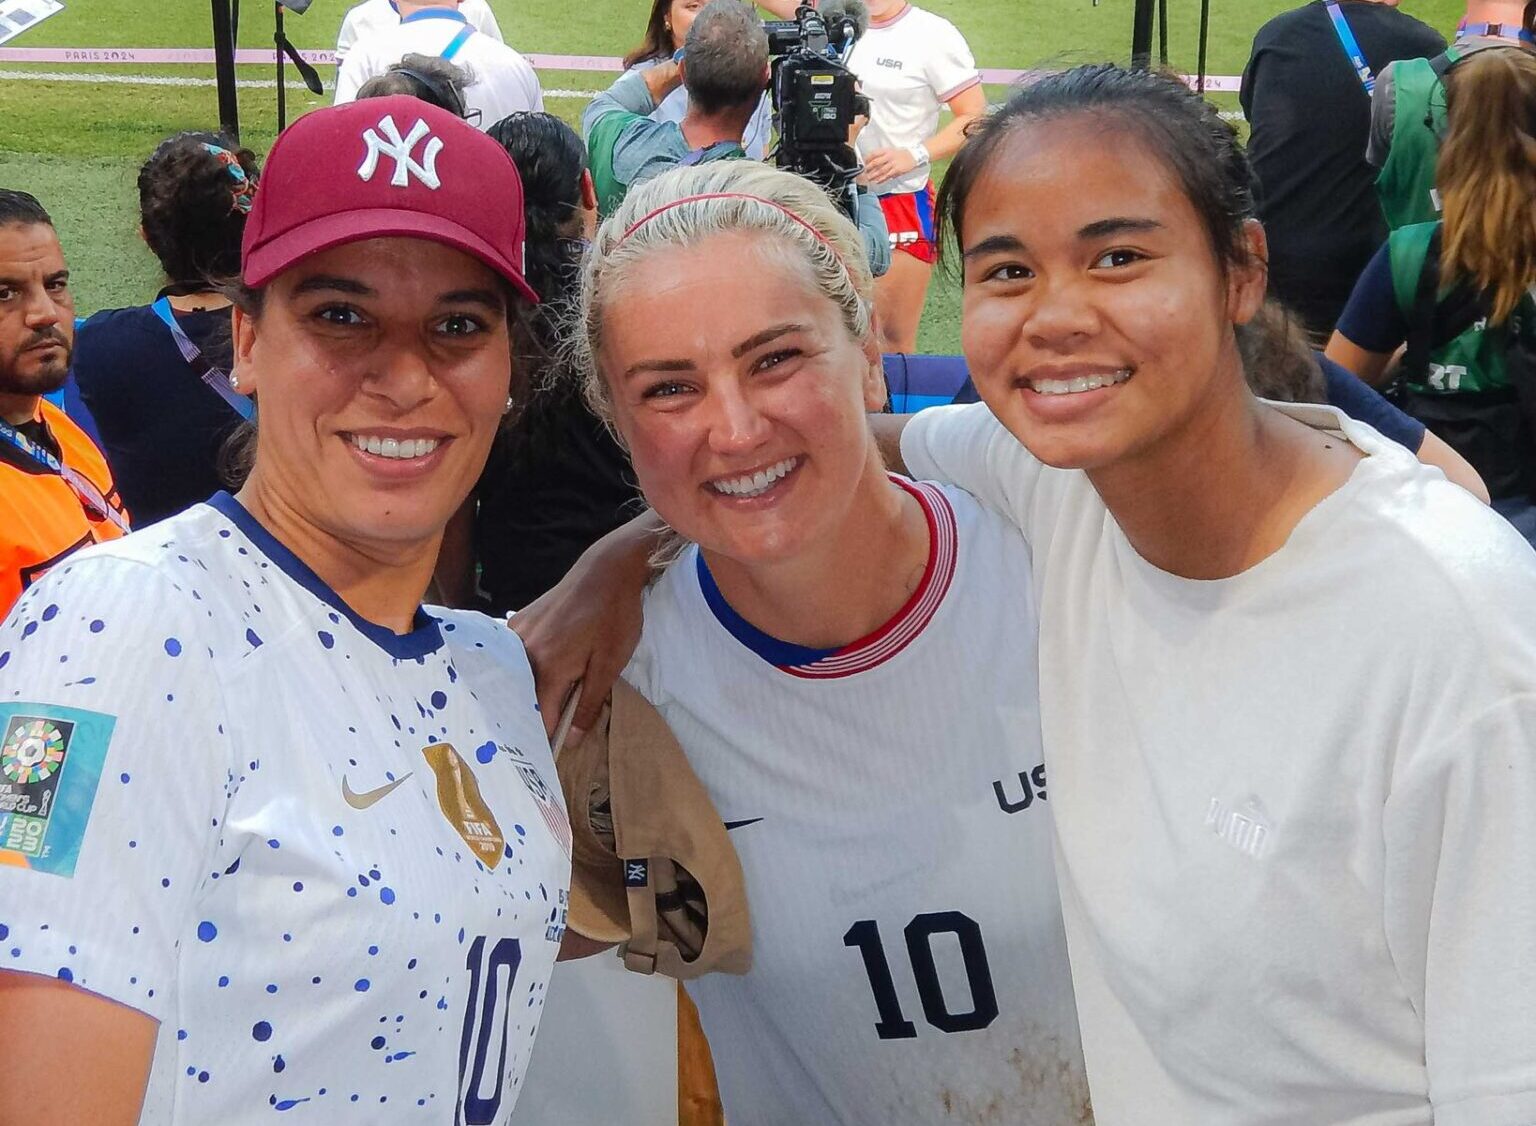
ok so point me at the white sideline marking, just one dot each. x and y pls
(178, 80)
(262, 83)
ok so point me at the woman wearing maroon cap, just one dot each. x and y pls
(274, 836)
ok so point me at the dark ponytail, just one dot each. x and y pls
(550, 159)
(1159, 110)
(195, 192)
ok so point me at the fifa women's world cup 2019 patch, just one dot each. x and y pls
(50, 764)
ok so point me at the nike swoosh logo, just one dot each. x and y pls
(729, 825)
(368, 797)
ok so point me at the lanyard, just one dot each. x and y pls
(190, 352)
(84, 488)
(1495, 31)
(1351, 46)
(435, 14)
(455, 43)
(458, 40)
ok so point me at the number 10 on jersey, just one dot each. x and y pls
(491, 974)
(920, 934)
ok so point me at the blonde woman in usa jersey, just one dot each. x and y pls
(278, 842)
(813, 651)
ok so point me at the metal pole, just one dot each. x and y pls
(1162, 32)
(1205, 31)
(224, 69)
(282, 94)
(1141, 35)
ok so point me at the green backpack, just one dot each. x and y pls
(1405, 183)
(1473, 384)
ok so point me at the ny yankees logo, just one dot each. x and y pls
(636, 873)
(399, 149)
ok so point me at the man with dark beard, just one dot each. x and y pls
(56, 492)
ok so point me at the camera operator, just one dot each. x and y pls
(724, 70)
(665, 32)
(910, 63)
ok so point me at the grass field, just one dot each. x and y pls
(77, 144)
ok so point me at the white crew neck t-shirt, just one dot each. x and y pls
(330, 861)
(1295, 808)
(888, 802)
(363, 20)
(910, 66)
(504, 81)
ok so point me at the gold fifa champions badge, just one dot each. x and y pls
(458, 794)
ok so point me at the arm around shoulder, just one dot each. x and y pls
(967, 446)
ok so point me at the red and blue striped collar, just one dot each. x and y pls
(875, 648)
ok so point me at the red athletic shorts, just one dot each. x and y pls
(909, 217)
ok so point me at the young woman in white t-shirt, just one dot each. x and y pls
(1287, 674)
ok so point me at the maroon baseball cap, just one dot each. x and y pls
(380, 167)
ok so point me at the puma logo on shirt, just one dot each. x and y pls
(1246, 829)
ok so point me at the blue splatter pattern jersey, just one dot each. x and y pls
(331, 861)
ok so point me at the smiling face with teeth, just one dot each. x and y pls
(1098, 319)
(741, 395)
(381, 368)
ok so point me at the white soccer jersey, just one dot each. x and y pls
(503, 81)
(330, 861)
(910, 66)
(1296, 807)
(363, 20)
(888, 803)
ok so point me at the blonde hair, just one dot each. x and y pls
(686, 206)
(1486, 175)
